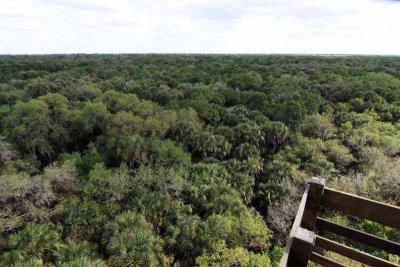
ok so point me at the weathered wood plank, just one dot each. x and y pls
(324, 261)
(387, 245)
(313, 203)
(302, 246)
(352, 253)
(362, 207)
(296, 223)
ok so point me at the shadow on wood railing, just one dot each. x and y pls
(303, 238)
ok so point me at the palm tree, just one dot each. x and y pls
(184, 238)
(184, 132)
(249, 132)
(246, 150)
(130, 149)
(131, 241)
(35, 242)
(205, 142)
(222, 147)
(84, 262)
(26, 263)
(276, 134)
(135, 247)
(77, 250)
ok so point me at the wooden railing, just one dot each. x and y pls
(304, 243)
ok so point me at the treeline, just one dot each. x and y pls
(167, 160)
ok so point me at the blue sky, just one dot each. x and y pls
(200, 26)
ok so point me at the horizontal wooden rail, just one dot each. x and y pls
(361, 207)
(324, 261)
(352, 253)
(372, 240)
(296, 224)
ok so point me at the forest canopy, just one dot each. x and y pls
(186, 160)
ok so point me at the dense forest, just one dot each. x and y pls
(186, 160)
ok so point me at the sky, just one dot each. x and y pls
(200, 26)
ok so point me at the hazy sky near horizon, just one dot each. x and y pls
(200, 26)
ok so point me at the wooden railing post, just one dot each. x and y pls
(301, 239)
(302, 246)
(296, 224)
(313, 203)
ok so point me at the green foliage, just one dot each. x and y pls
(39, 86)
(31, 127)
(339, 154)
(318, 126)
(275, 134)
(117, 102)
(81, 219)
(131, 242)
(185, 238)
(167, 153)
(247, 81)
(26, 198)
(210, 192)
(79, 253)
(155, 160)
(34, 242)
(82, 91)
(94, 117)
(247, 230)
(86, 161)
(108, 187)
(209, 144)
(84, 262)
(29, 263)
(158, 194)
(223, 256)
(131, 150)
(275, 255)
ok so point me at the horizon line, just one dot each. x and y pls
(204, 54)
